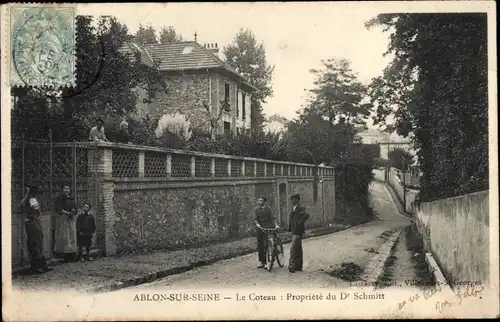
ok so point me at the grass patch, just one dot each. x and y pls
(386, 234)
(348, 272)
(388, 271)
(415, 244)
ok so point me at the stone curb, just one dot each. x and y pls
(148, 278)
(375, 268)
(438, 274)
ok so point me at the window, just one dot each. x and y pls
(187, 50)
(237, 104)
(226, 97)
(243, 113)
(227, 127)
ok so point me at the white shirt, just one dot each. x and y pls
(294, 207)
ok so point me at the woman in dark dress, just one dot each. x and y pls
(65, 237)
(30, 207)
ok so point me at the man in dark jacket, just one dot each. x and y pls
(298, 218)
(263, 219)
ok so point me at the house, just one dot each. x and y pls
(387, 142)
(198, 83)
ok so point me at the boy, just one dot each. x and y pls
(85, 228)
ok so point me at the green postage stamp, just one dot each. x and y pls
(42, 52)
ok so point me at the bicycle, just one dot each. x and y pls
(274, 249)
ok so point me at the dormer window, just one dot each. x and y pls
(187, 50)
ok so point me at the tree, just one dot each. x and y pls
(400, 159)
(248, 57)
(338, 96)
(437, 88)
(105, 85)
(169, 35)
(145, 35)
(214, 119)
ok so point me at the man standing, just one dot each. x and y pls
(263, 219)
(97, 132)
(298, 218)
(30, 208)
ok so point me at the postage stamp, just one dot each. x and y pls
(42, 46)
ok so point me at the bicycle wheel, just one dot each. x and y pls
(270, 254)
(280, 252)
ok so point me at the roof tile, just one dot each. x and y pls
(170, 57)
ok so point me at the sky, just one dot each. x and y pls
(297, 36)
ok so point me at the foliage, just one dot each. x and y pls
(142, 130)
(400, 159)
(169, 35)
(338, 96)
(437, 88)
(214, 119)
(145, 35)
(246, 143)
(104, 86)
(381, 163)
(249, 59)
(176, 124)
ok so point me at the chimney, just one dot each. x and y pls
(213, 48)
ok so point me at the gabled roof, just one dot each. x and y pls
(130, 48)
(180, 56)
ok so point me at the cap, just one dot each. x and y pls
(100, 120)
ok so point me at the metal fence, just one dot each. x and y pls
(49, 165)
(129, 161)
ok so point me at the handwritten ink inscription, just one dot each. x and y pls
(440, 306)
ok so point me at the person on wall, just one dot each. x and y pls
(97, 132)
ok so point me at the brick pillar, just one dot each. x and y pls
(212, 167)
(229, 167)
(168, 165)
(255, 168)
(193, 166)
(101, 166)
(142, 157)
(243, 168)
(265, 169)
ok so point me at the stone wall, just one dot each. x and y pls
(397, 185)
(186, 205)
(456, 231)
(185, 215)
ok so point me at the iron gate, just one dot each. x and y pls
(50, 165)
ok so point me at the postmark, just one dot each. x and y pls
(42, 46)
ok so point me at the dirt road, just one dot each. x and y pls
(321, 255)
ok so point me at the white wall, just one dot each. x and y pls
(456, 231)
